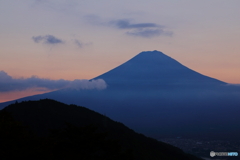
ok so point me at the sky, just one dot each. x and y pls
(49, 42)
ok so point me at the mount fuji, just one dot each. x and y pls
(154, 69)
(159, 97)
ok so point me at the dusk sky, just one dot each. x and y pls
(80, 39)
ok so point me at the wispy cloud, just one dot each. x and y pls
(7, 83)
(78, 43)
(148, 33)
(125, 24)
(47, 39)
(145, 30)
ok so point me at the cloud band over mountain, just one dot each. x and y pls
(8, 83)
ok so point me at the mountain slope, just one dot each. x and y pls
(47, 114)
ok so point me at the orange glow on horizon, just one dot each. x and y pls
(13, 95)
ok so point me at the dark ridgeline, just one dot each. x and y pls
(47, 129)
(155, 95)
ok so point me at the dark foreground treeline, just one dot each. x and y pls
(48, 129)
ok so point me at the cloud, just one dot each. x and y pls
(148, 33)
(125, 24)
(144, 30)
(78, 43)
(7, 83)
(4, 77)
(47, 39)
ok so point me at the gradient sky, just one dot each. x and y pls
(81, 39)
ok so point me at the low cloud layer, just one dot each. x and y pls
(7, 83)
(145, 30)
(47, 39)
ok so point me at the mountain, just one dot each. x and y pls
(74, 132)
(159, 97)
(154, 69)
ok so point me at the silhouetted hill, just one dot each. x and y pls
(73, 132)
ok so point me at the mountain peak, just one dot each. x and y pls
(153, 53)
(147, 61)
(154, 59)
